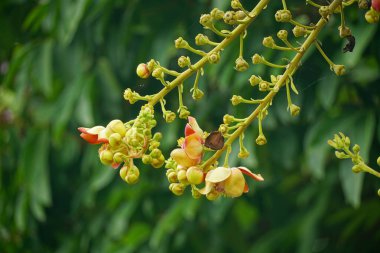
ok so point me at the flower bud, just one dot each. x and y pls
(216, 14)
(324, 11)
(229, 18)
(212, 195)
(241, 64)
(234, 184)
(195, 193)
(338, 69)
(158, 162)
(114, 139)
(214, 57)
(146, 159)
(347, 141)
(142, 71)
(227, 119)
(236, 100)
(239, 15)
(264, 86)
(151, 65)
(157, 136)
(180, 43)
(340, 155)
(356, 168)
(197, 94)
(282, 34)
(106, 157)
(283, 16)
(158, 73)
(130, 96)
(378, 192)
(118, 157)
(183, 61)
(243, 153)
(294, 110)
(194, 175)
(235, 4)
(172, 177)
(183, 112)
(123, 172)
(299, 31)
(201, 40)
(254, 80)
(223, 129)
(269, 42)
(156, 153)
(181, 175)
(261, 140)
(133, 175)
(344, 31)
(332, 144)
(378, 161)
(256, 59)
(376, 5)
(169, 116)
(372, 16)
(177, 188)
(363, 4)
(206, 20)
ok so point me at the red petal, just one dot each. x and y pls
(83, 129)
(93, 139)
(246, 188)
(188, 130)
(115, 165)
(249, 173)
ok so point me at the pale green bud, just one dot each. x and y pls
(283, 16)
(142, 70)
(201, 40)
(146, 159)
(184, 61)
(256, 59)
(197, 94)
(282, 34)
(294, 110)
(214, 57)
(229, 18)
(261, 140)
(299, 31)
(372, 16)
(180, 43)
(169, 116)
(269, 42)
(241, 64)
(236, 99)
(206, 20)
(356, 168)
(227, 119)
(177, 188)
(194, 175)
(340, 155)
(217, 14)
(264, 86)
(183, 112)
(254, 80)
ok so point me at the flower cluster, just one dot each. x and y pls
(123, 142)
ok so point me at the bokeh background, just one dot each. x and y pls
(66, 63)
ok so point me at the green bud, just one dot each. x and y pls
(347, 141)
(254, 80)
(106, 157)
(216, 14)
(261, 140)
(197, 94)
(213, 195)
(340, 155)
(332, 144)
(338, 69)
(240, 15)
(241, 64)
(214, 57)
(282, 34)
(194, 175)
(181, 175)
(118, 157)
(177, 188)
(158, 73)
(299, 31)
(372, 16)
(146, 159)
(269, 42)
(133, 175)
(235, 4)
(264, 86)
(183, 112)
(156, 153)
(294, 110)
(180, 43)
(157, 136)
(183, 61)
(158, 162)
(151, 65)
(283, 16)
(227, 119)
(236, 100)
(229, 18)
(169, 116)
(256, 59)
(324, 11)
(201, 40)
(123, 172)
(356, 168)
(223, 129)
(206, 20)
(114, 139)
(172, 177)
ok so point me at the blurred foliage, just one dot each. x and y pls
(65, 64)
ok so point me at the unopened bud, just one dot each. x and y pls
(332, 144)
(156, 153)
(201, 40)
(299, 31)
(264, 86)
(254, 80)
(214, 57)
(146, 159)
(197, 94)
(142, 71)
(183, 112)
(180, 43)
(123, 172)
(261, 140)
(364, 4)
(194, 175)
(338, 69)
(235, 4)
(184, 61)
(169, 116)
(158, 73)
(114, 139)
(269, 42)
(223, 129)
(206, 20)
(177, 188)
(229, 18)
(216, 14)
(213, 195)
(240, 15)
(283, 16)
(241, 64)
(195, 193)
(106, 157)
(344, 31)
(294, 110)
(227, 119)
(340, 155)
(243, 153)
(282, 34)
(356, 168)
(372, 16)
(256, 59)
(236, 99)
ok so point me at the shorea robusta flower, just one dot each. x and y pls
(229, 182)
(191, 150)
(93, 135)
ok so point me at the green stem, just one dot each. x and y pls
(323, 54)
(368, 169)
(270, 64)
(170, 72)
(293, 65)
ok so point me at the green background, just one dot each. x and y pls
(65, 64)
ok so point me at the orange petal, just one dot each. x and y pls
(188, 130)
(249, 173)
(194, 125)
(218, 175)
(193, 146)
(93, 139)
(179, 155)
(246, 188)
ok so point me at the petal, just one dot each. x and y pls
(218, 175)
(193, 146)
(188, 130)
(93, 130)
(205, 190)
(194, 125)
(246, 188)
(179, 155)
(93, 139)
(234, 185)
(249, 173)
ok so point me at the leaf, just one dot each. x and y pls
(351, 183)
(327, 88)
(73, 14)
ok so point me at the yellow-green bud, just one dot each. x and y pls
(183, 112)
(129, 96)
(264, 86)
(356, 148)
(227, 119)
(243, 153)
(282, 34)
(294, 110)
(114, 139)
(254, 80)
(261, 140)
(347, 141)
(195, 193)
(146, 159)
(106, 157)
(184, 61)
(256, 59)
(206, 20)
(214, 57)
(156, 153)
(344, 31)
(142, 71)
(324, 11)
(151, 65)
(123, 172)
(235, 4)
(157, 136)
(169, 116)
(213, 195)
(181, 175)
(223, 129)
(364, 4)
(241, 64)
(236, 99)
(216, 14)
(340, 155)
(197, 94)
(177, 188)
(356, 168)
(332, 144)
(172, 177)
(378, 192)
(269, 42)
(118, 157)
(372, 16)
(201, 39)
(158, 73)
(240, 15)
(158, 162)
(378, 161)
(229, 18)
(194, 175)
(299, 31)
(283, 16)
(338, 69)
(180, 43)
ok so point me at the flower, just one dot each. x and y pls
(94, 135)
(191, 150)
(228, 181)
